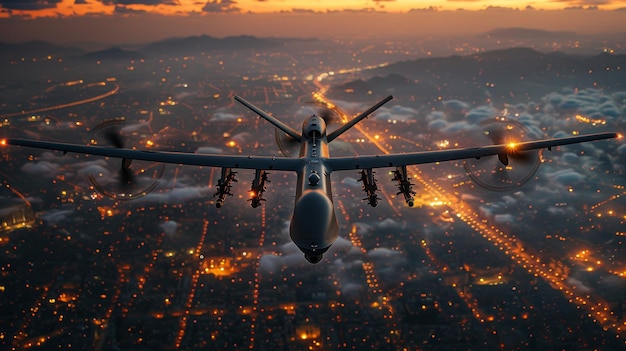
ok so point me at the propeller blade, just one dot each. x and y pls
(114, 137)
(285, 143)
(329, 116)
(127, 178)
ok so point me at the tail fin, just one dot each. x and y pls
(357, 119)
(277, 123)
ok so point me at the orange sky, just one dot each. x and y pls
(135, 21)
(56, 8)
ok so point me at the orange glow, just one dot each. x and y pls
(3, 142)
(67, 8)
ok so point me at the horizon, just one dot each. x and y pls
(143, 27)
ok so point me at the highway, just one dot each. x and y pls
(115, 89)
(522, 254)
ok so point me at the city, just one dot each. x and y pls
(87, 265)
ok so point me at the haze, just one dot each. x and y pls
(137, 22)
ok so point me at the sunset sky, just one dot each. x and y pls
(118, 21)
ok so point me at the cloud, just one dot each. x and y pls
(578, 285)
(354, 183)
(397, 113)
(352, 290)
(390, 224)
(569, 158)
(54, 217)
(176, 195)
(382, 253)
(241, 138)
(288, 256)
(41, 168)
(457, 127)
(270, 264)
(224, 116)
(561, 211)
(98, 169)
(503, 218)
(424, 9)
(457, 106)
(29, 4)
(169, 227)
(438, 125)
(209, 150)
(218, 6)
(568, 177)
(140, 2)
(480, 113)
(300, 11)
(135, 127)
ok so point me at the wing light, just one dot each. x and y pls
(512, 145)
(3, 142)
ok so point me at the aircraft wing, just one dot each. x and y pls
(209, 160)
(415, 158)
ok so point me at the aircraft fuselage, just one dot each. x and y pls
(314, 225)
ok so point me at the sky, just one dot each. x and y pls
(140, 21)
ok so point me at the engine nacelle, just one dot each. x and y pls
(314, 127)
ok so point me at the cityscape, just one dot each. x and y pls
(88, 263)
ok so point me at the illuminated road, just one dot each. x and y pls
(379, 300)
(257, 278)
(598, 310)
(115, 90)
(197, 253)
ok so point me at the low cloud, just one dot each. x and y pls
(42, 168)
(54, 217)
(209, 150)
(221, 115)
(169, 227)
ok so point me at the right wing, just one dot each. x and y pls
(416, 158)
(185, 158)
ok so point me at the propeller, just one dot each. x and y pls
(328, 115)
(287, 144)
(128, 185)
(111, 132)
(284, 142)
(507, 171)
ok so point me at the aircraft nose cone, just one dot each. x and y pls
(314, 225)
(313, 258)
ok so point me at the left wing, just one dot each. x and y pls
(209, 160)
(415, 158)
